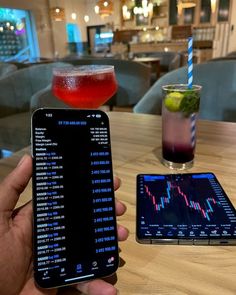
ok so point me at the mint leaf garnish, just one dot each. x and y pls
(190, 103)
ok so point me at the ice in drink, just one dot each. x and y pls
(179, 113)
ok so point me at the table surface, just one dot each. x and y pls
(165, 269)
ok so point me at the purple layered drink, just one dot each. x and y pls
(179, 112)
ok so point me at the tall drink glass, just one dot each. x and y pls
(84, 87)
(180, 106)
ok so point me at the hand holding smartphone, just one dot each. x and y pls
(75, 232)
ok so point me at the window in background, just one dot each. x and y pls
(99, 39)
(205, 13)
(141, 19)
(189, 16)
(223, 12)
(75, 44)
(173, 12)
(18, 38)
(92, 31)
(103, 41)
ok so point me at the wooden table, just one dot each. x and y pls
(166, 269)
(154, 62)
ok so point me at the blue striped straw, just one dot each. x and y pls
(190, 62)
(190, 86)
(193, 130)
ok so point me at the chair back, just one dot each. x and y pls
(133, 78)
(6, 69)
(133, 82)
(18, 87)
(218, 95)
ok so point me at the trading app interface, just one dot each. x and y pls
(74, 216)
(183, 206)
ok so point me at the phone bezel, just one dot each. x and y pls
(109, 271)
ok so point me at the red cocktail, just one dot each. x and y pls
(84, 86)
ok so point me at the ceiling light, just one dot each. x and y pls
(86, 18)
(57, 13)
(73, 15)
(126, 13)
(104, 8)
(96, 9)
(146, 8)
(187, 3)
(213, 6)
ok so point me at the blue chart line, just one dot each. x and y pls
(206, 209)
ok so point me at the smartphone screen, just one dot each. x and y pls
(184, 208)
(75, 233)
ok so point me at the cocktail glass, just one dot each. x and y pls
(84, 87)
(180, 106)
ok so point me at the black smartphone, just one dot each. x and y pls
(74, 231)
(189, 208)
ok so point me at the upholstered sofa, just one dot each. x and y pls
(6, 69)
(133, 78)
(15, 96)
(218, 94)
(133, 82)
(30, 88)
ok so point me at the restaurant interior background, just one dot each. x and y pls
(57, 28)
(36, 36)
(144, 40)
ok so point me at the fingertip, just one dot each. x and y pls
(25, 158)
(123, 233)
(120, 208)
(96, 287)
(117, 182)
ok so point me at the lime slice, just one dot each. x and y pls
(173, 100)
